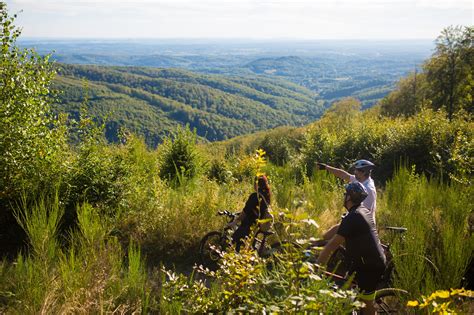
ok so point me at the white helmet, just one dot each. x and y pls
(363, 165)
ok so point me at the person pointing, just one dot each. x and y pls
(362, 174)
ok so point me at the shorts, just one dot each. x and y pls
(367, 280)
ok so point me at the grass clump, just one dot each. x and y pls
(438, 246)
(90, 276)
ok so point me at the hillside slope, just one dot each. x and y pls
(150, 101)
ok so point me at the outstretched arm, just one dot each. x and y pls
(335, 171)
(330, 247)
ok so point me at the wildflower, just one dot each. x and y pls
(412, 303)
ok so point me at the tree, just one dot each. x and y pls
(449, 72)
(342, 113)
(28, 139)
(180, 156)
(408, 98)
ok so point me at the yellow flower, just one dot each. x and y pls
(467, 293)
(443, 294)
(456, 291)
(412, 303)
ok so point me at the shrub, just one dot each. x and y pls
(437, 146)
(179, 156)
(219, 171)
(282, 144)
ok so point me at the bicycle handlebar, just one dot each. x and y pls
(230, 215)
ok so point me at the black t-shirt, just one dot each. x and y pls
(254, 209)
(363, 246)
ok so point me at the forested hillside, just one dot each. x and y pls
(334, 78)
(149, 101)
(366, 70)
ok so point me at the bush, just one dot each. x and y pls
(437, 146)
(282, 144)
(219, 171)
(179, 156)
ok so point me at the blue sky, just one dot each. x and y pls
(253, 19)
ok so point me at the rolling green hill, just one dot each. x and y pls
(149, 101)
(332, 78)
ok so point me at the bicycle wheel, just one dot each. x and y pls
(389, 301)
(210, 249)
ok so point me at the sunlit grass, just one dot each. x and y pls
(437, 248)
(90, 276)
(108, 261)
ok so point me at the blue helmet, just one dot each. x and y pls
(357, 192)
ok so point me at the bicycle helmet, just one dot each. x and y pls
(357, 192)
(363, 165)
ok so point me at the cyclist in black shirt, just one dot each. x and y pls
(362, 243)
(255, 208)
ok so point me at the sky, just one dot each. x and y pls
(242, 19)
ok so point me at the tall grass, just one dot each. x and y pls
(438, 246)
(103, 268)
(319, 197)
(90, 276)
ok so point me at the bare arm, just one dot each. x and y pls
(336, 171)
(331, 232)
(330, 247)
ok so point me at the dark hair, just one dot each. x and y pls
(264, 188)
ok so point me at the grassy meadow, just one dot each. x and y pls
(133, 242)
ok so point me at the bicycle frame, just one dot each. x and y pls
(222, 240)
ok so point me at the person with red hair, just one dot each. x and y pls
(256, 208)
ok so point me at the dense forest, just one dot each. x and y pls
(149, 101)
(90, 226)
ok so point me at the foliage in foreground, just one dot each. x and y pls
(245, 282)
(91, 276)
(445, 302)
(31, 141)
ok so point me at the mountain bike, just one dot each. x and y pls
(387, 298)
(215, 243)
